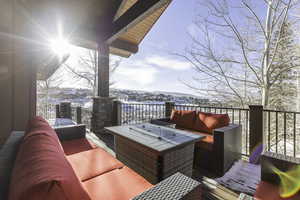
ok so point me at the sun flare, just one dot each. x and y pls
(60, 46)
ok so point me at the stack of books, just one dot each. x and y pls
(214, 191)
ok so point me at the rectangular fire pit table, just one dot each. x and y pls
(155, 152)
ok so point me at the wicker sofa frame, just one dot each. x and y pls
(227, 147)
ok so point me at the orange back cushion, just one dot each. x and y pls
(41, 170)
(207, 122)
(183, 118)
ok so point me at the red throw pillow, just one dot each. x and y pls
(207, 122)
(183, 118)
(200, 125)
(41, 170)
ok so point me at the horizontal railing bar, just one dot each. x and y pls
(210, 107)
(190, 106)
(151, 104)
(280, 111)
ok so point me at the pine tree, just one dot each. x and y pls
(283, 92)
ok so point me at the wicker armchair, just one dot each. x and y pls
(217, 152)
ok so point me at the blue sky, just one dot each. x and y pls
(155, 67)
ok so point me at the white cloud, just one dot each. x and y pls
(168, 63)
(137, 74)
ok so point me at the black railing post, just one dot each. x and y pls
(57, 112)
(117, 113)
(255, 126)
(78, 115)
(169, 107)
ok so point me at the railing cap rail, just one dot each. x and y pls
(280, 111)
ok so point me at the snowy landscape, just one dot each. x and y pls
(83, 97)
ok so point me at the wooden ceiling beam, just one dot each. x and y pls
(125, 45)
(138, 12)
(121, 6)
(91, 37)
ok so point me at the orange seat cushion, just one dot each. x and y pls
(206, 143)
(183, 118)
(76, 146)
(41, 170)
(267, 191)
(207, 122)
(119, 184)
(95, 162)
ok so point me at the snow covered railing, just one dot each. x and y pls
(281, 128)
(282, 132)
(133, 113)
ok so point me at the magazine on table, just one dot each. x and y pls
(242, 177)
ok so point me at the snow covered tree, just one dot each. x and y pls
(235, 49)
(87, 69)
(283, 71)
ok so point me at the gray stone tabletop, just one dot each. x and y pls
(157, 138)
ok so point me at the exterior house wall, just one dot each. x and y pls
(5, 70)
(17, 71)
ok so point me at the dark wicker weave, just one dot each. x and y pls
(70, 132)
(151, 165)
(225, 150)
(155, 159)
(175, 187)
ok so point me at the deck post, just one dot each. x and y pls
(65, 110)
(169, 107)
(103, 103)
(117, 113)
(57, 111)
(78, 115)
(102, 113)
(255, 126)
(103, 70)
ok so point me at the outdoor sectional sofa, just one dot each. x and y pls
(222, 144)
(62, 164)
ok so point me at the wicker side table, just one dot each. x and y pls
(176, 187)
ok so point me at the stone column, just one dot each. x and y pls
(103, 104)
(65, 110)
(102, 113)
